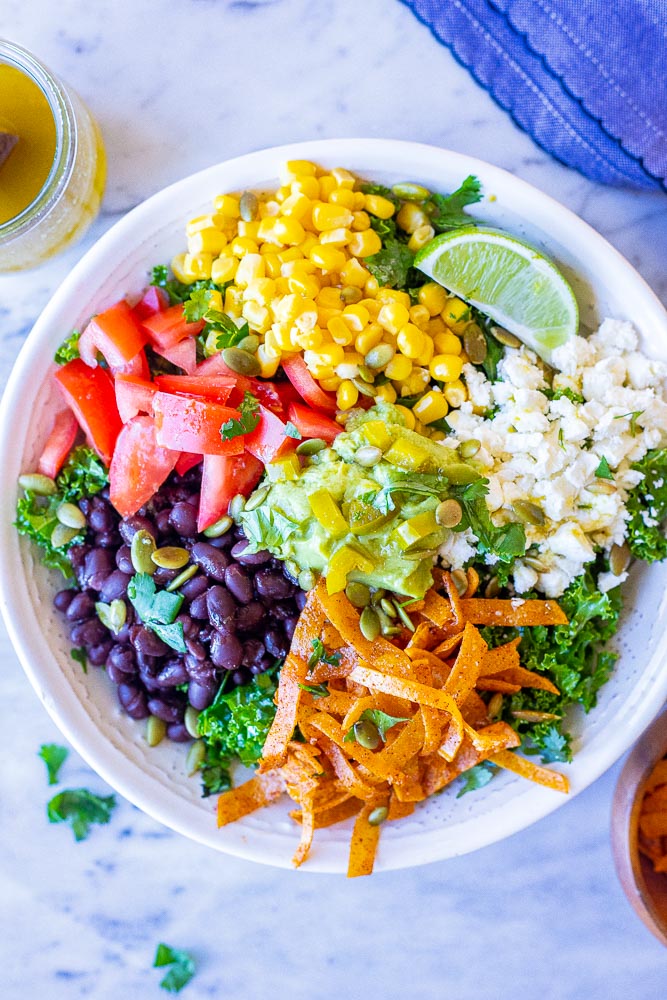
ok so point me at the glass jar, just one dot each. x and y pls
(64, 206)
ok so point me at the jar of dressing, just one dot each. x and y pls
(52, 162)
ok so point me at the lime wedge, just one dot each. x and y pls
(507, 280)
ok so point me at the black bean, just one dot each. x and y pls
(122, 658)
(280, 610)
(81, 606)
(211, 560)
(195, 648)
(183, 519)
(107, 539)
(238, 583)
(249, 616)
(194, 587)
(300, 599)
(133, 699)
(190, 628)
(202, 692)
(114, 587)
(199, 606)
(97, 566)
(63, 599)
(145, 641)
(275, 643)
(241, 677)
(221, 608)
(272, 585)
(129, 527)
(173, 673)
(177, 732)
(101, 517)
(97, 654)
(200, 670)
(163, 522)
(289, 625)
(226, 651)
(124, 560)
(148, 664)
(240, 553)
(163, 576)
(116, 675)
(168, 711)
(253, 651)
(86, 505)
(88, 633)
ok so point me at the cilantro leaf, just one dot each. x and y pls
(248, 419)
(292, 431)
(317, 690)
(634, 416)
(54, 756)
(648, 503)
(390, 265)
(424, 485)
(68, 350)
(230, 333)
(320, 655)
(446, 211)
(603, 471)
(476, 777)
(157, 610)
(182, 967)
(506, 542)
(81, 808)
(267, 528)
(79, 655)
(381, 720)
(178, 291)
(560, 393)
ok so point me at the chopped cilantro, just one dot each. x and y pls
(54, 756)
(317, 690)
(292, 431)
(446, 211)
(68, 350)
(566, 393)
(603, 471)
(157, 609)
(320, 655)
(182, 967)
(81, 808)
(380, 720)
(248, 419)
(390, 266)
(79, 655)
(634, 416)
(476, 777)
(507, 542)
(266, 528)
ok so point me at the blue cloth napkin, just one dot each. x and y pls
(587, 79)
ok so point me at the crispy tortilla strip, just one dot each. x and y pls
(326, 724)
(527, 678)
(259, 791)
(658, 776)
(356, 710)
(655, 801)
(425, 636)
(391, 761)
(465, 671)
(433, 722)
(398, 809)
(383, 654)
(527, 769)
(492, 739)
(501, 658)
(439, 610)
(451, 742)
(365, 839)
(653, 824)
(448, 646)
(292, 674)
(352, 781)
(440, 772)
(497, 684)
(336, 702)
(473, 581)
(474, 711)
(406, 688)
(407, 787)
(399, 708)
(334, 814)
(515, 612)
(307, 830)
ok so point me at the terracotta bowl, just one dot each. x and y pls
(646, 889)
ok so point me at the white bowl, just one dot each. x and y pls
(85, 706)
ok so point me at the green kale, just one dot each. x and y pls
(182, 967)
(54, 756)
(649, 500)
(234, 728)
(446, 211)
(157, 609)
(83, 475)
(248, 419)
(68, 350)
(82, 808)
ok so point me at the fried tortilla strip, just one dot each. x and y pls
(392, 761)
(655, 801)
(403, 687)
(527, 769)
(307, 829)
(492, 739)
(439, 610)
(352, 781)
(356, 710)
(473, 582)
(497, 684)
(653, 824)
(440, 771)
(425, 636)
(433, 722)
(333, 814)
(501, 658)
(380, 652)
(527, 678)
(365, 837)
(467, 665)
(515, 612)
(399, 809)
(474, 711)
(292, 675)
(259, 791)
(390, 705)
(448, 646)
(336, 702)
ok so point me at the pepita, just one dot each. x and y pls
(43, 486)
(241, 362)
(113, 616)
(307, 579)
(182, 578)
(156, 730)
(504, 337)
(248, 206)
(190, 719)
(461, 474)
(528, 512)
(236, 507)
(526, 715)
(468, 449)
(380, 356)
(249, 343)
(367, 734)
(474, 344)
(388, 607)
(366, 374)
(495, 706)
(257, 498)
(350, 295)
(358, 595)
(141, 552)
(368, 456)
(171, 557)
(410, 192)
(460, 581)
(71, 516)
(378, 815)
(364, 387)
(195, 757)
(405, 618)
(449, 513)
(369, 624)
(311, 447)
(602, 486)
(62, 534)
(619, 559)
(220, 528)
(492, 588)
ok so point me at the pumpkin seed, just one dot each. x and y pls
(377, 816)
(460, 581)
(367, 734)
(171, 557)
(220, 528)
(619, 559)
(602, 486)
(492, 588)
(191, 719)
(311, 447)
(474, 344)
(364, 388)
(358, 595)
(236, 507)
(182, 578)
(461, 474)
(71, 516)
(468, 449)
(156, 730)
(249, 343)
(388, 607)
(62, 534)
(257, 498)
(248, 205)
(241, 362)
(195, 757)
(307, 579)
(405, 618)
(537, 564)
(526, 715)
(350, 294)
(366, 374)
(113, 616)
(528, 512)
(495, 706)
(368, 456)
(369, 624)
(504, 337)
(378, 595)
(410, 192)
(380, 356)
(43, 486)
(141, 552)
(449, 513)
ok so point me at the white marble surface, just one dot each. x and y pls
(177, 85)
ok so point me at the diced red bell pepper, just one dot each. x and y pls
(187, 462)
(222, 478)
(90, 394)
(304, 383)
(116, 333)
(183, 354)
(59, 444)
(133, 395)
(187, 424)
(139, 466)
(137, 366)
(154, 300)
(217, 388)
(269, 439)
(169, 327)
(313, 425)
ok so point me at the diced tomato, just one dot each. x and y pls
(154, 300)
(183, 354)
(215, 387)
(222, 478)
(139, 466)
(268, 395)
(187, 424)
(59, 444)
(90, 394)
(137, 366)
(187, 462)
(133, 395)
(304, 383)
(287, 393)
(313, 425)
(216, 366)
(169, 327)
(116, 333)
(269, 439)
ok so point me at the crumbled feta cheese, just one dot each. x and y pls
(458, 549)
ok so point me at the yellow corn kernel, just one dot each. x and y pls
(446, 367)
(215, 300)
(271, 263)
(364, 244)
(281, 287)
(342, 196)
(251, 267)
(393, 316)
(327, 186)
(399, 368)
(379, 206)
(455, 393)
(432, 406)
(326, 216)
(267, 210)
(386, 392)
(447, 343)
(419, 315)
(227, 205)
(290, 254)
(343, 178)
(328, 355)
(347, 395)
(324, 315)
(199, 265)
(411, 341)
(268, 364)
(308, 340)
(336, 237)
(393, 295)
(223, 269)
(456, 314)
(349, 366)
(289, 231)
(354, 274)
(207, 241)
(178, 267)
(372, 306)
(257, 315)
(261, 290)
(250, 229)
(359, 201)
(243, 245)
(371, 287)
(308, 186)
(421, 236)
(369, 338)
(303, 284)
(428, 352)
(329, 298)
(266, 231)
(233, 301)
(296, 169)
(415, 383)
(361, 221)
(328, 258)
(282, 193)
(331, 384)
(295, 205)
(340, 332)
(286, 308)
(298, 266)
(204, 222)
(356, 316)
(410, 217)
(270, 348)
(433, 296)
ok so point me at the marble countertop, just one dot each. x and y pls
(176, 86)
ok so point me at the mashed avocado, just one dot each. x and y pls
(364, 509)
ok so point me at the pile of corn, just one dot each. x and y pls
(294, 261)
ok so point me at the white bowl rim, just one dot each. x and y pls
(65, 709)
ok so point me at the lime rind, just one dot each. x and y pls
(506, 279)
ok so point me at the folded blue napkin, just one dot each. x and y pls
(587, 79)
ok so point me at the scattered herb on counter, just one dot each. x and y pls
(182, 967)
(81, 809)
(157, 609)
(648, 503)
(68, 350)
(54, 756)
(248, 419)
